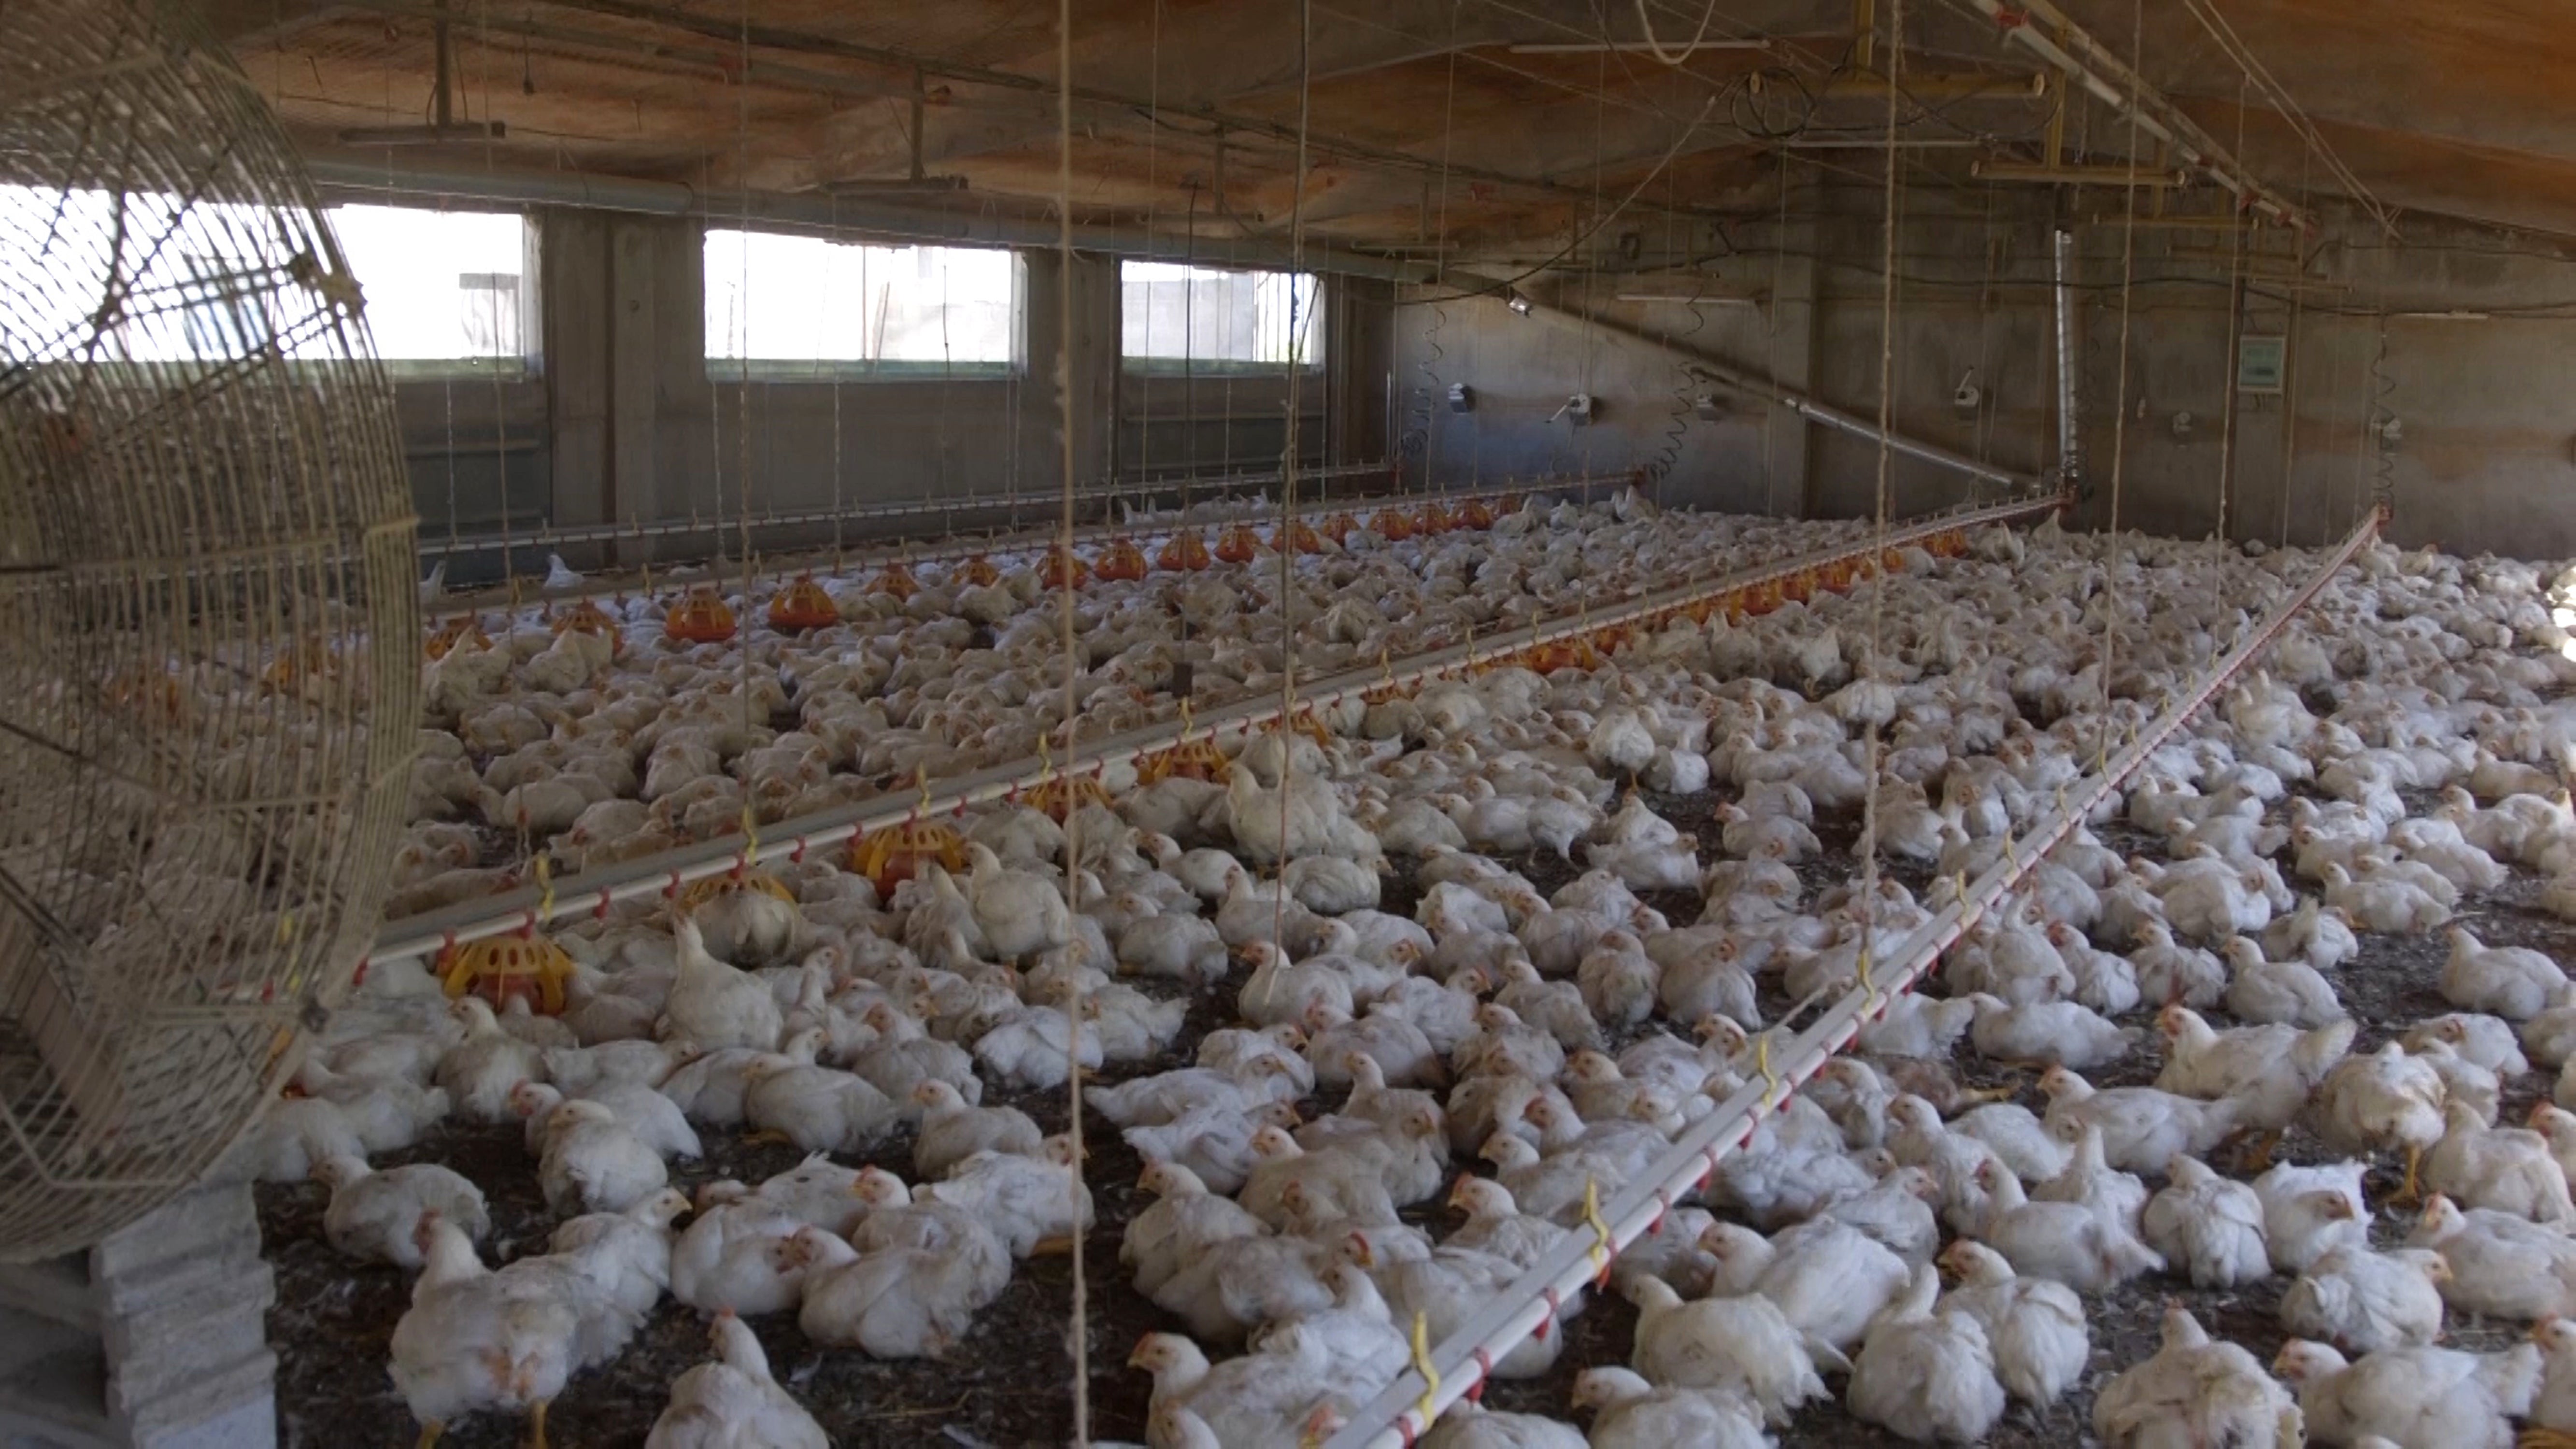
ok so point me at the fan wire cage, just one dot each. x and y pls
(209, 625)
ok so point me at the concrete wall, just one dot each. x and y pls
(619, 421)
(2486, 459)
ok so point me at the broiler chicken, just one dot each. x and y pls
(734, 1402)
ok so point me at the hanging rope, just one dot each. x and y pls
(1889, 200)
(1284, 536)
(1076, 1000)
(2240, 218)
(2120, 397)
(742, 385)
(1646, 24)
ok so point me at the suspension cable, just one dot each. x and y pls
(2120, 396)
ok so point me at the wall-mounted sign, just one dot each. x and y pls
(2260, 362)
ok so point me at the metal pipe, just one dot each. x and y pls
(1712, 370)
(1407, 1408)
(972, 503)
(2070, 437)
(422, 180)
(2126, 92)
(527, 909)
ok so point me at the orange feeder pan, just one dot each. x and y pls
(1121, 562)
(1475, 514)
(1186, 552)
(1432, 519)
(1340, 527)
(701, 618)
(1391, 524)
(1238, 544)
(896, 582)
(896, 854)
(585, 617)
(803, 605)
(1302, 536)
(979, 570)
(502, 968)
(1065, 569)
(453, 633)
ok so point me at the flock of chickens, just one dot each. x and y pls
(1412, 1107)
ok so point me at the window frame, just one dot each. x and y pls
(1160, 365)
(521, 366)
(835, 370)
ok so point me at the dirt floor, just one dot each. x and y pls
(1008, 1384)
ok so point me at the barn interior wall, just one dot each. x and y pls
(618, 421)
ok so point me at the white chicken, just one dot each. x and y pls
(1926, 1371)
(734, 1402)
(376, 1215)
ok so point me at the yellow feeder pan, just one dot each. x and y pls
(1060, 795)
(896, 582)
(499, 968)
(1197, 759)
(803, 605)
(1121, 562)
(979, 571)
(896, 854)
(464, 630)
(698, 892)
(1186, 552)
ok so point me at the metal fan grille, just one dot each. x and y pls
(208, 621)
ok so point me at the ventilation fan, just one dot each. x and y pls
(209, 619)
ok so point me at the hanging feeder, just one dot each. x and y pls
(698, 892)
(1238, 544)
(465, 629)
(1476, 514)
(1064, 568)
(1197, 759)
(701, 618)
(896, 582)
(1391, 524)
(499, 969)
(1340, 527)
(585, 617)
(1185, 552)
(159, 699)
(1762, 598)
(1058, 796)
(1799, 587)
(897, 853)
(1121, 562)
(1563, 654)
(979, 571)
(309, 663)
(1301, 536)
(1432, 519)
(803, 605)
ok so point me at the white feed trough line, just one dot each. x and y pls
(1408, 1407)
(948, 546)
(529, 907)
